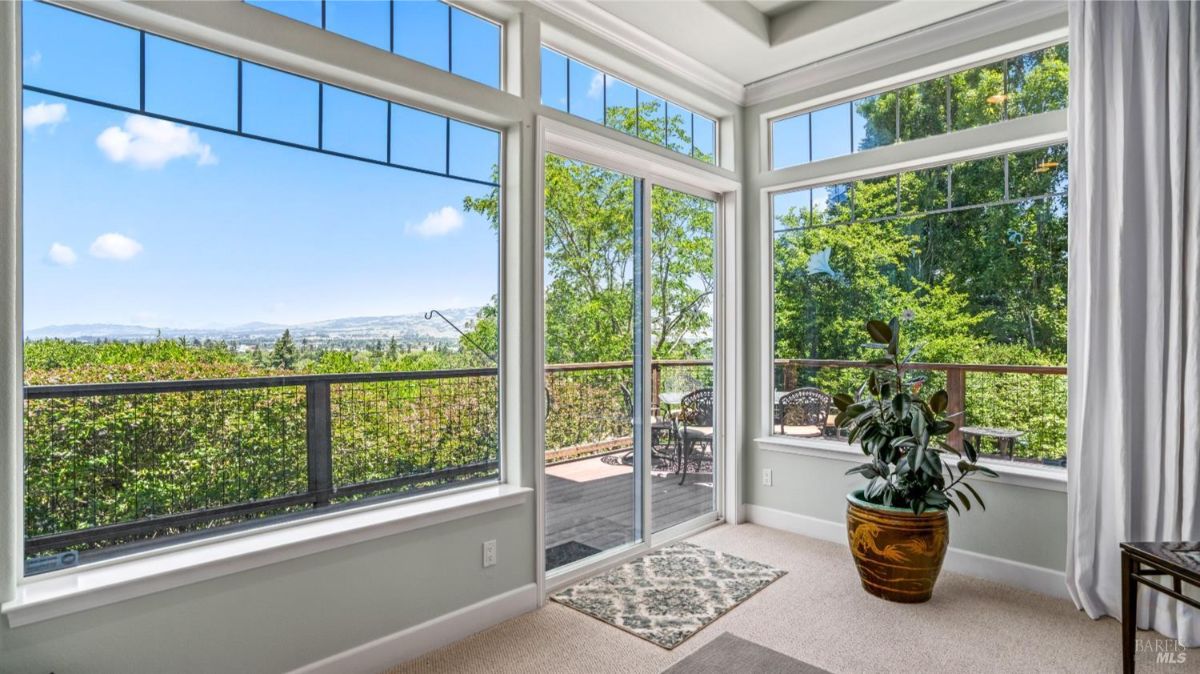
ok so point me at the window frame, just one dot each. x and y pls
(60, 592)
(1003, 137)
(577, 142)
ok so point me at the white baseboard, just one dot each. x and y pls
(1007, 571)
(388, 651)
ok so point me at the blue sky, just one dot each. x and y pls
(136, 220)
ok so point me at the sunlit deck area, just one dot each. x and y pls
(591, 502)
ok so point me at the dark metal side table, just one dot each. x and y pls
(1139, 563)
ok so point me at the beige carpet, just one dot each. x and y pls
(819, 614)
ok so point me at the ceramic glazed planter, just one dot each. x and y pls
(898, 554)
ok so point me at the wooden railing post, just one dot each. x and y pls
(319, 442)
(789, 376)
(956, 391)
(655, 385)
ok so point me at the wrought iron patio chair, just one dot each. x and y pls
(695, 424)
(662, 433)
(803, 408)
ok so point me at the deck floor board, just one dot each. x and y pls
(599, 512)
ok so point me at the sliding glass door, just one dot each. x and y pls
(631, 440)
(592, 306)
(682, 336)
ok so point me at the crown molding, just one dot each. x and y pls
(633, 39)
(1043, 23)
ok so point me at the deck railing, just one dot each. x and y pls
(1029, 401)
(116, 464)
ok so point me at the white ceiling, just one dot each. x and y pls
(748, 41)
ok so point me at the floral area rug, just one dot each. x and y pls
(668, 595)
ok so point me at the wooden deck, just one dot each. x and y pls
(592, 502)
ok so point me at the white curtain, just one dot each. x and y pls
(1133, 429)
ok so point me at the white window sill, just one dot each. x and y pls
(1049, 478)
(68, 591)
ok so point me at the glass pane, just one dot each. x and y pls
(978, 96)
(418, 139)
(422, 32)
(586, 92)
(681, 327)
(1038, 172)
(679, 128)
(980, 181)
(922, 191)
(875, 198)
(621, 99)
(923, 109)
(279, 105)
(189, 83)
(474, 152)
(476, 48)
(1037, 82)
(592, 245)
(831, 132)
(983, 283)
(791, 210)
(367, 21)
(554, 79)
(306, 11)
(354, 124)
(704, 139)
(874, 121)
(78, 55)
(831, 204)
(652, 118)
(789, 141)
(275, 262)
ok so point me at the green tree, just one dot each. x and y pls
(589, 254)
(284, 354)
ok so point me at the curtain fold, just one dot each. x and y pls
(1133, 429)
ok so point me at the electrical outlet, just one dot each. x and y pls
(489, 553)
(768, 478)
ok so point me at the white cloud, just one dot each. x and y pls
(33, 60)
(596, 86)
(43, 114)
(151, 143)
(61, 255)
(113, 246)
(438, 223)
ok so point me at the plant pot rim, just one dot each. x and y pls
(857, 498)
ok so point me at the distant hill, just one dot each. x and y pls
(405, 328)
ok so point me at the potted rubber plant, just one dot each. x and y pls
(897, 523)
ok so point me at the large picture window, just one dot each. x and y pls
(248, 295)
(972, 257)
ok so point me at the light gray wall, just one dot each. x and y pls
(1021, 523)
